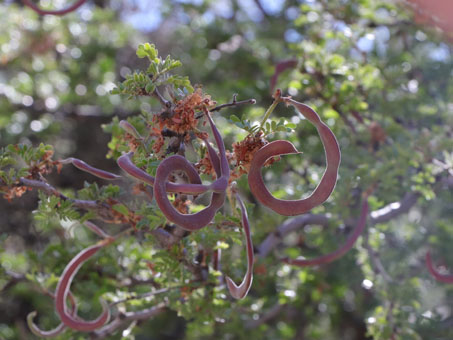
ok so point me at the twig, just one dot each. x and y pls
(126, 317)
(270, 314)
(379, 216)
(261, 8)
(394, 209)
(161, 98)
(375, 260)
(15, 279)
(290, 225)
(234, 103)
(47, 188)
(103, 210)
(145, 295)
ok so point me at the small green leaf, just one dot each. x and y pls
(235, 119)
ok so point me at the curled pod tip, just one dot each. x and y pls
(240, 291)
(79, 164)
(358, 230)
(445, 278)
(64, 284)
(39, 332)
(53, 332)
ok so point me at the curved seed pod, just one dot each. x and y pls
(95, 229)
(279, 68)
(239, 292)
(214, 158)
(64, 284)
(79, 164)
(195, 187)
(204, 217)
(224, 166)
(445, 278)
(279, 147)
(129, 128)
(186, 221)
(64, 11)
(358, 230)
(53, 332)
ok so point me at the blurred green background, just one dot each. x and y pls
(381, 81)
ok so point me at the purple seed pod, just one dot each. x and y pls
(279, 68)
(79, 164)
(97, 230)
(214, 158)
(129, 128)
(445, 278)
(64, 11)
(53, 332)
(64, 284)
(358, 230)
(239, 292)
(186, 221)
(194, 187)
(280, 147)
(204, 217)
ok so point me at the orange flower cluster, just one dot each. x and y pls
(11, 192)
(183, 118)
(204, 166)
(43, 167)
(182, 205)
(118, 218)
(244, 151)
(132, 142)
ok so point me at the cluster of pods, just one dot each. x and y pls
(192, 222)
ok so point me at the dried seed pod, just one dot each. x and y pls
(129, 128)
(64, 284)
(186, 221)
(445, 278)
(204, 217)
(280, 147)
(194, 187)
(79, 164)
(240, 292)
(53, 332)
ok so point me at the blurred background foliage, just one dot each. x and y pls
(382, 82)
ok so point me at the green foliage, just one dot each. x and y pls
(378, 79)
(157, 74)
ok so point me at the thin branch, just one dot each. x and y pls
(394, 209)
(15, 279)
(261, 8)
(383, 215)
(375, 260)
(269, 315)
(102, 210)
(234, 103)
(145, 295)
(165, 103)
(126, 317)
(290, 225)
(50, 190)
